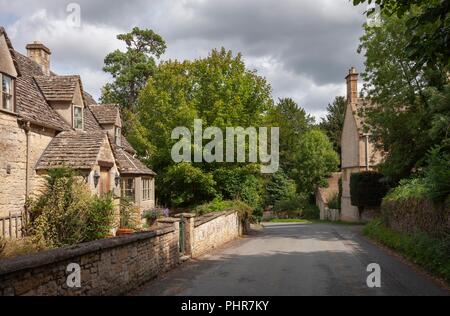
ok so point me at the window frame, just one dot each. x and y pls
(124, 190)
(74, 117)
(146, 191)
(118, 136)
(12, 93)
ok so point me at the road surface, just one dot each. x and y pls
(292, 260)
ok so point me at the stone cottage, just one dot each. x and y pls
(49, 121)
(358, 152)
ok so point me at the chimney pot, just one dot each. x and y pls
(40, 54)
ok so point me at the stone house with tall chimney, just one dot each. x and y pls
(49, 121)
(358, 151)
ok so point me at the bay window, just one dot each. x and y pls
(7, 93)
(146, 189)
(128, 188)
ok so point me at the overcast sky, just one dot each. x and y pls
(303, 47)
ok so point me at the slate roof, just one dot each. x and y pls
(31, 104)
(105, 113)
(58, 88)
(127, 163)
(77, 150)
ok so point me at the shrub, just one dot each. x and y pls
(19, 247)
(335, 202)
(433, 254)
(279, 188)
(66, 213)
(407, 189)
(437, 175)
(311, 212)
(184, 185)
(129, 214)
(245, 211)
(367, 189)
(296, 203)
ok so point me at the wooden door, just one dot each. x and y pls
(104, 181)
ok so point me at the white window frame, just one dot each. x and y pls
(2, 106)
(146, 190)
(118, 136)
(74, 118)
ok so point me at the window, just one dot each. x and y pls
(146, 189)
(128, 190)
(118, 136)
(6, 92)
(77, 117)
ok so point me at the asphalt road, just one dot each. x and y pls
(294, 260)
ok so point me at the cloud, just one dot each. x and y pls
(303, 48)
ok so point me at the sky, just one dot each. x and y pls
(304, 48)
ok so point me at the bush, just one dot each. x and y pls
(245, 211)
(296, 203)
(367, 189)
(67, 214)
(311, 212)
(280, 188)
(335, 202)
(407, 189)
(19, 247)
(184, 185)
(129, 214)
(433, 254)
(437, 175)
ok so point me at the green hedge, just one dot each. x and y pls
(367, 189)
(431, 253)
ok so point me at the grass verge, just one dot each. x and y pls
(430, 253)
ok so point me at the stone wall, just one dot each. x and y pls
(108, 267)
(211, 231)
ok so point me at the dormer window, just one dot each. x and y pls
(118, 136)
(77, 117)
(7, 93)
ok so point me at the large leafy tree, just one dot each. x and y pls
(293, 123)
(403, 89)
(333, 123)
(316, 160)
(131, 69)
(219, 90)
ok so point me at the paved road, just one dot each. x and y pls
(293, 259)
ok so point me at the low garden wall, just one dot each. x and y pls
(116, 266)
(417, 215)
(108, 267)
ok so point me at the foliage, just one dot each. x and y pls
(293, 123)
(18, 247)
(218, 205)
(408, 188)
(240, 183)
(311, 212)
(132, 68)
(315, 161)
(437, 175)
(333, 123)
(129, 214)
(296, 203)
(279, 188)
(335, 202)
(67, 214)
(184, 184)
(433, 254)
(367, 189)
(413, 98)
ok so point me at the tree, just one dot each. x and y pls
(280, 188)
(131, 69)
(333, 124)
(405, 91)
(316, 160)
(293, 123)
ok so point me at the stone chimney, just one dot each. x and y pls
(352, 86)
(40, 54)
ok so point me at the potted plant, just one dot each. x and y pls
(151, 217)
(126, 221)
